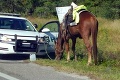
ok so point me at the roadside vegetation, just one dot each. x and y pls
(108, 52)
(46, 8)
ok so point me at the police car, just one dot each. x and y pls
(19, 35)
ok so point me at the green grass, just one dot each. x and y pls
(101, 72)
(108, 51)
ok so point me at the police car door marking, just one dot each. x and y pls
(49, 39)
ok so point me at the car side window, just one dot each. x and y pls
(53, 27)
(16, 24)
(5, 24)
(28, 26)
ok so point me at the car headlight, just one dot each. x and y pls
(4, 38)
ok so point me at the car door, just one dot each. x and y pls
(50, 32)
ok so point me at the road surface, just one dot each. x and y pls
(19, 70)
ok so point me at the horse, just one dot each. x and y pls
(86, 28)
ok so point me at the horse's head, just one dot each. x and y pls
(58, 48)
(57, 51)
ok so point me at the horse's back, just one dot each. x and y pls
(86, 23)
(87, 16)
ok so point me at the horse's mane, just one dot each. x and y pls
(60, 31)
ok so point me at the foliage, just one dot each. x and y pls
(44, 8)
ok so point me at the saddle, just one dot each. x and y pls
(72, 16)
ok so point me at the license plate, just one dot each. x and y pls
(25, 44)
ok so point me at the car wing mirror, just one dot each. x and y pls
(45, 30)
(35, 25)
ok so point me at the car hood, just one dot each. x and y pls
(19, 32)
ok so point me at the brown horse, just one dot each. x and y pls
(86, 28)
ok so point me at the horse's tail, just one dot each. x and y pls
(94, 41)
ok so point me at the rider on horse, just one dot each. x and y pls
(72, 16)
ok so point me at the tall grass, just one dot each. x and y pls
(108, 52)
(109, 40)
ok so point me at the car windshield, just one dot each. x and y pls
(16, 24)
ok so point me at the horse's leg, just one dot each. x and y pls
(89, 49)
(73, 48)
(67, 50)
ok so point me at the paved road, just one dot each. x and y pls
(20, 70)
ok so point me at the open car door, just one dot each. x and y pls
(51, 30)
(49, 33)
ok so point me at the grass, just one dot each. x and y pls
(101, 72)
(109, 39)
(108, 51)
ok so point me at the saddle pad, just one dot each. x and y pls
(80, 8)
(76, 19)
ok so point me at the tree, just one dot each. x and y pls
(43, 8)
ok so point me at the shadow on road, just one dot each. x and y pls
(23, 56)
(14, 56)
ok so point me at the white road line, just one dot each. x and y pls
(7, 76)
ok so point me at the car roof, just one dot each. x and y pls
(14, 17)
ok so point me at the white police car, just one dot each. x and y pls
(19, 35)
